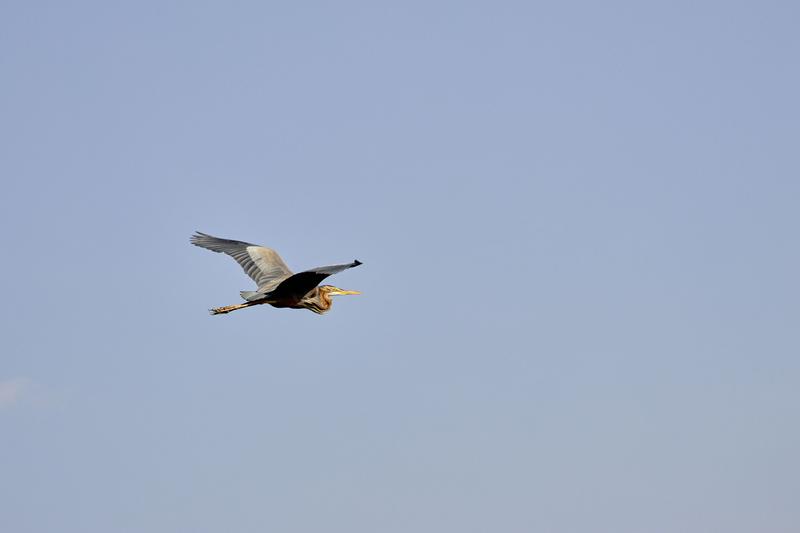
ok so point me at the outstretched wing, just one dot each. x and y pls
(301, 283)
(263, 265)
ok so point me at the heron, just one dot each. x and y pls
(276, 284)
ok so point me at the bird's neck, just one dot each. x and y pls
(320, 302)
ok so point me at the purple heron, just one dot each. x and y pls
(277, 285)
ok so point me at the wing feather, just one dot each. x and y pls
(300, 284)
(262, 264)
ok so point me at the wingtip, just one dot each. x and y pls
(357, 262)
(198, 237)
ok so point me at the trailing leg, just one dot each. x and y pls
(229, 308)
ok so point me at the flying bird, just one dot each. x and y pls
(277, 285)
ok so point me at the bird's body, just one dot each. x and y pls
(277, 285)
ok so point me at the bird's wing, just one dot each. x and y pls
(301, 283)
(262, 264)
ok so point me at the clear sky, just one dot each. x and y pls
(579, 228)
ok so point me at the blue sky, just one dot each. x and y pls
(578, 223)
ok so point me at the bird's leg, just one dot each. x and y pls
(229, 308)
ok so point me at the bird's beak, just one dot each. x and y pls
(342, 291)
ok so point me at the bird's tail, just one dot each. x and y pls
(252, 296)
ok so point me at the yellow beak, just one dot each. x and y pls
(337, 292)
